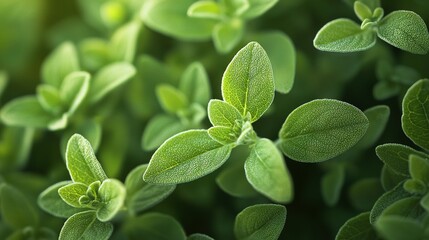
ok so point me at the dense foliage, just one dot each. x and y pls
(214, 119)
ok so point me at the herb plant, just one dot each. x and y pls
(214, 119)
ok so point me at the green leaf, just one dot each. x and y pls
(424, 202)
(122, 46)
(199, 236)
(142, 195)
(59, 64)
(364, 193)
(331, 185)
(73, 90)
(109, 78)
(389, 178)
(321, 129)
(257, 8)
(112, 194)
(405, 30)
(18, 111)
(223, 114)
(154, 226)
(16, 210)
(357, 228)
(85, 225)
(248, 82)
(266, 171)
(227, 34)
(3, 81)
(344, 35)
(386, 200)
(49, 98)
(378, 117)
(281, 51)
(398, 228)
(96, 52)
(195, 84)
(205, 9)
(186, 156)
(50, 201)
(170, 18)
(263, 221)
(159, 129)
(71, 193)
(415, 108)
(407, 207)
(419, 168)
(396, 156)
(232, 180)
(223, 135)
(362, 10)
(384, 90)
(171, 99)
(81, 162)
(372, 4)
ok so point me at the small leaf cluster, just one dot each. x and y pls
(402, 211)
(403, 29)
(184, 107)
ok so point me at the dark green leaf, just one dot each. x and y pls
(263, 221)
(321, 129)
(85, 225)
(248, 81)
(331, 185)
(199, 236)
(186, 156)
(122, 46)
(378, 117)
(232, 180)
(386, 200)
(357, 228)
(399, 228)
(415, 108)
(419, 168)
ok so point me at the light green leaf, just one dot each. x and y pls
(85, 225)
(159, 129)
(281, 52)
(195, 84)
(419, 168)
(424, 202)
(199, 236)
(81, 162)
(223, 135)
(321, 129)
(399, 228)
(357, 228)
(362, 11)
(378, 117)
(18, 112)
(59, 64)
(415, 186)
(364, 193)
(112, 194)
(415, 108)
(232, 180)
(49, 98)
(96, 52)
(223, 114)
(257, 8)
(266, 171)
(153, 226)
(3, 81)
(71, 193)
(248, 82)
(186, 156)
(386, 200)
(16, 210)
(262, 221)
(396, 156)
(142, 195)
(405, 30)
(122, 46)
(331, 185)
(171, 99)
(73, 90)
(50, 201)
(344, 35)
(235, 7)
(109, 78)
(170, 18)
(227, 34)
(205, 9)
